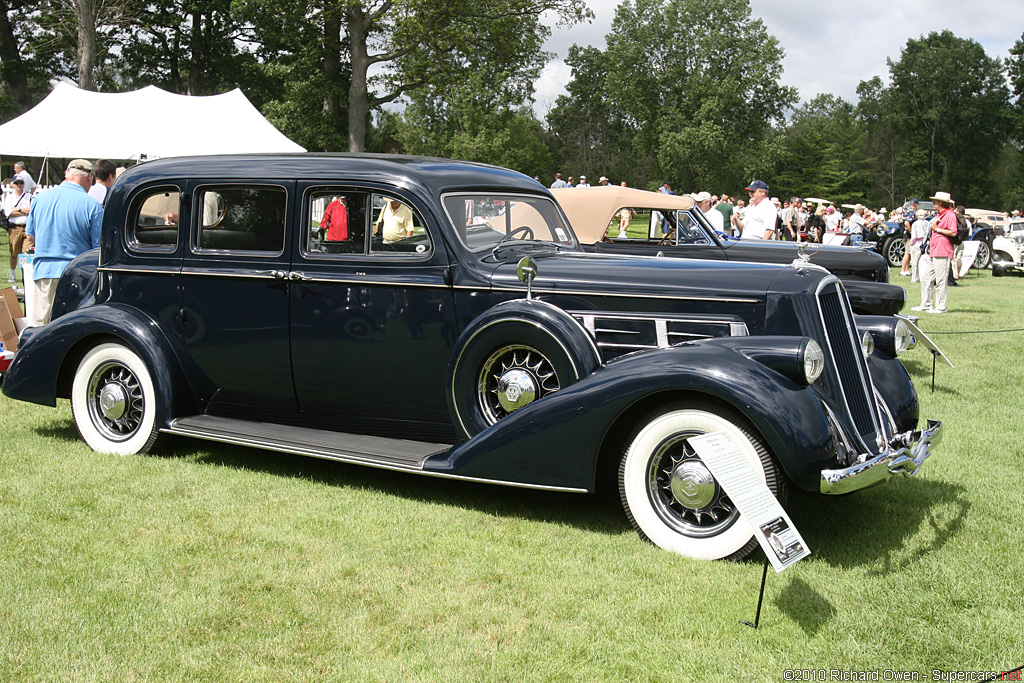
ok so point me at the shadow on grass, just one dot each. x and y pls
(59, 429)
(888, 527)
(804, 605)
(599, 513)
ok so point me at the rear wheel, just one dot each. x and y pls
(670, 496)
(984, 257)
(113, 401)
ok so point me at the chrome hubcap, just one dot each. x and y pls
(513, 377)
(112, 401)
(692, 484)
(516, 389)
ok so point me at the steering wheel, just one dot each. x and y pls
(525, 229)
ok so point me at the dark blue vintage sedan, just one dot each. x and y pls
(437, 317)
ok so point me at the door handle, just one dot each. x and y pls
(276, 274)
(296, 275)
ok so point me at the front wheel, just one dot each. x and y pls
(113, 401)
(893, 250)
(669, 494)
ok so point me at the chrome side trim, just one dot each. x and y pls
(169, 270)
(902, 456)
(354, 460)
(631, 295)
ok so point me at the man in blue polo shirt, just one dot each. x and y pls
(63, 223)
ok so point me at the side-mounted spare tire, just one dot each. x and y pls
(514, 354)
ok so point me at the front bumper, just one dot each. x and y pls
(903, 456)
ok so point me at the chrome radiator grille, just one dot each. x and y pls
(848, 358)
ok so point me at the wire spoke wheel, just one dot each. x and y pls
(116, 403)
(511, 378)
(113, 401)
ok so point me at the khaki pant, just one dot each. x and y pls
(16, 234)
(42, 300)
(934, 274)
(914, 251)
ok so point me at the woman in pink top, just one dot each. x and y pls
(935, 264)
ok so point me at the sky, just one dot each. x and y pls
(829, 46)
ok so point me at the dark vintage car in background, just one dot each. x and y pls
(594, 215)
(470, 338)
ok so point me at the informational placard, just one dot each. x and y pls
(743, 483)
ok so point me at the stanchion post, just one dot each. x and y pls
(760, 598)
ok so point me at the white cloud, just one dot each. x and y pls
(830, 47)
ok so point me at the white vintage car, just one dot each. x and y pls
(1008, 250)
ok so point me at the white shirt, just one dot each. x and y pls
(99, 192)
(856, 224)
(716, 219)
(758, 218)
(832, 221)
(24, 201)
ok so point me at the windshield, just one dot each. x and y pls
(482, 220)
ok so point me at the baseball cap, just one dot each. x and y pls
(758, 185)
(81, 165)
(702, 197)
(17, 179)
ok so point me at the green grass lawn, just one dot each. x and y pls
(216, 563)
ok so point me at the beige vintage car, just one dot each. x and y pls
(605, 213)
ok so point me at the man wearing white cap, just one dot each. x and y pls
(714, 216)
(936, 256)
(64, 222)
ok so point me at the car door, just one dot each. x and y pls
(372, 314)
(235, 291)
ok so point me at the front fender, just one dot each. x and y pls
(875, 298)
(42, 368)
(556, 441)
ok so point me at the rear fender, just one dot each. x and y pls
(44, 367)
(556, 441)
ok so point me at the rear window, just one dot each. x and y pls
(153, 224)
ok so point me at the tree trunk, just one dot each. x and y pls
(332, 60)
(12, 68)
(195, 50)
(86, 19)
(358, 97)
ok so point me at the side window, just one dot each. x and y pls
(337, 221)
(153, 220)
(239, 218)
(397, 228)
(621, 222)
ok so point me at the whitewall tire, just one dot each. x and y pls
(113, 401)
(669, 495)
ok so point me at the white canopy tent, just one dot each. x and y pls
(142, 124)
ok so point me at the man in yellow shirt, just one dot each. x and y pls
(396, 220)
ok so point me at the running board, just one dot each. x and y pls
(375, 451)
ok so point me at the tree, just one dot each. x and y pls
(422, 42)
(949, 105)
(697, 110)
(822, 155)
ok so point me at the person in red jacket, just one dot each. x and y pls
(335, 220)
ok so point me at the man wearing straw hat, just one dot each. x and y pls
(937, 255)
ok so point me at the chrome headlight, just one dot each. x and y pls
(867, 344)
(814, 361)
(905, 339)
(882, 229)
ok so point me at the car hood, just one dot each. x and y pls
(839, 260)
(640, 276)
